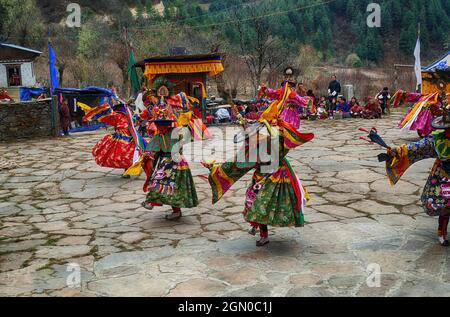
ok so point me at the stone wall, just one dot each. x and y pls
(28, 120)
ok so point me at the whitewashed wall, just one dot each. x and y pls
(26, 72)
(3, 76)
(28, 76)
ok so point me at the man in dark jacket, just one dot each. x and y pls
(334, 88)
(384, 97)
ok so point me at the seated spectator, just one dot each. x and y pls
(355, 108)
(264, 106)
(323, 101)
(4, 97)
(322, 110)
(332, 105)
(372, 109)
(343, 108)
(251, 113)
(223, 115)
(353, 102)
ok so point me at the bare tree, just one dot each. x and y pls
(235, 74)
(256, 42)
(305, 62)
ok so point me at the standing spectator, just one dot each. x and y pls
(15, 78)
(334, 88)
(384, 97)
(64, 114)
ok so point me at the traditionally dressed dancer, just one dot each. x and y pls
(436, 195)
(183, 109)
(295, 104)
(122, 148)
(276, 196)
(169, 178)
(149, 101)
(420, 117)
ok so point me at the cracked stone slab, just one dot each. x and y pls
(58, 209)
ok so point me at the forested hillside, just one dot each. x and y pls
(263, 35)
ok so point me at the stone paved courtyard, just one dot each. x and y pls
(57, 207)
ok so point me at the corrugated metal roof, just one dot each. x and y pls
(441, 64)
(21, 48)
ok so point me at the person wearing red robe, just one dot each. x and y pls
(115, 150)
(64, 114)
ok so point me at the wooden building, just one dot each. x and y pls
(187, 73)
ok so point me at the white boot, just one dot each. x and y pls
(252, 231)
(444, 242)
(262, 242)
(174, 216)
(147, 205)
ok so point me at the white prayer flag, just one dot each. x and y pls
(418, 65)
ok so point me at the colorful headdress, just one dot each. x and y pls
(162, 116)
(182, 102)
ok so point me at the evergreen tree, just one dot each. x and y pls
(352, 9)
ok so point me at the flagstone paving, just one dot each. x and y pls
(58, 208)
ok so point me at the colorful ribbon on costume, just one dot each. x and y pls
(272, 113)
(98, 112)
(136, 168)
(425, 101)
(300, 192)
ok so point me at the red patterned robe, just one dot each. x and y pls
(115, 150)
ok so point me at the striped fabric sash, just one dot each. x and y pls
(121, 137)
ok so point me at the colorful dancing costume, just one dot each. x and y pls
(120, 149)
(293, 107)
(276, 196)
(436, 195)
(420, 117)
(169, 178)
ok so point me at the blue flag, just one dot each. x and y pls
(54, 83)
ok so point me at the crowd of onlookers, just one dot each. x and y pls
(332, 106)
